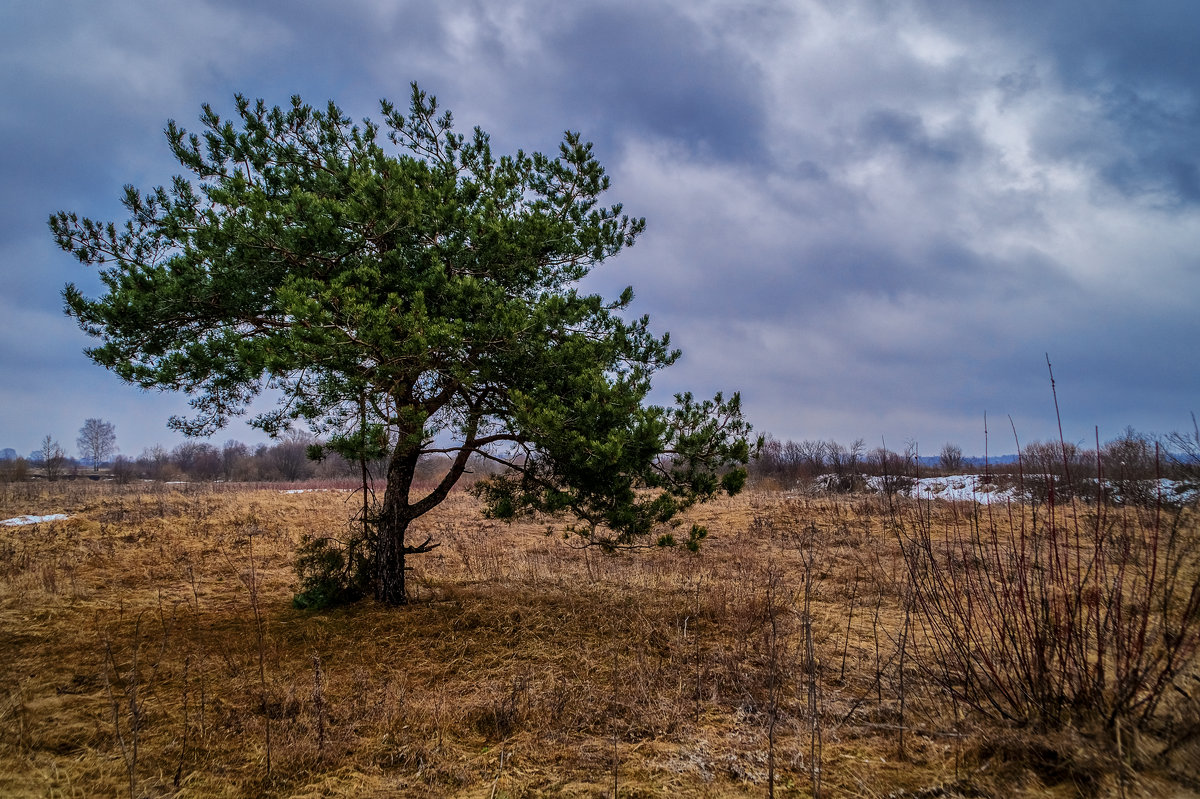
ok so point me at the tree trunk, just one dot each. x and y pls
(394, 520)
(399, 511)
(389, 561)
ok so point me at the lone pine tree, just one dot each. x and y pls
(405, 303)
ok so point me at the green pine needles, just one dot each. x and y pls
(402, 303)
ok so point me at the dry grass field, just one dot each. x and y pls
(148, 647)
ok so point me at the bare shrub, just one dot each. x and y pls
(1183, 451)
(53, 458)
(1056, 620)
(844, 460)
(951, 458)
(1056, 471)
(15, 470)
(896, 472)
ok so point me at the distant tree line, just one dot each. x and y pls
(790, 462)
(97, 441)
(286, 460)
(1127, 462)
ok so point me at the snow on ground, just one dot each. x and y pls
(963, 487)
(1184, 494)
(17, 521)
(972, 488)
(312, 490)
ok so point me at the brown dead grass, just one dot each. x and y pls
(524, 668)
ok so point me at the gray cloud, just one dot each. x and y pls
(873, 218)
(1135, 65)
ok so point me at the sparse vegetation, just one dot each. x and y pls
(151, 644)
(1055, 619)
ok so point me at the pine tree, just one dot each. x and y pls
(436, 288)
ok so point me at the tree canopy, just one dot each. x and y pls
(404, 303)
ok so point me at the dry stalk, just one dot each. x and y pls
(849, 621)
(183, 747)
(616, 761)
(811, 666)
(319, 706)
(499, 773)
(260, 643)
(904, 638)
(773, 668)
(128, 740)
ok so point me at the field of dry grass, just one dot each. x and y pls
(149, 648)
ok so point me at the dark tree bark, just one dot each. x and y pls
(400, 511)
(394, 519)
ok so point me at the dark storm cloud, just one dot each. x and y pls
(888, 128)
(652, 71)
(1136, 62)
(527, 71)
(875, 219)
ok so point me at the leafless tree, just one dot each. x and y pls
(97, 440)
(53, 457)
(951, 458)
(154, 462)
(233, 456)
(1183, 452)
(290, 455)
(199, 460)
(812, 455)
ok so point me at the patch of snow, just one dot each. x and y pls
(963, 488)
(312, 490)
(1172, 492)
(972, 488)
(17, 521)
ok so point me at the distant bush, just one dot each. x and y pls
(951, 458)
(123, 469)
(14, 470)
(839, 483)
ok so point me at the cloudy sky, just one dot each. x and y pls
(874, 219)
